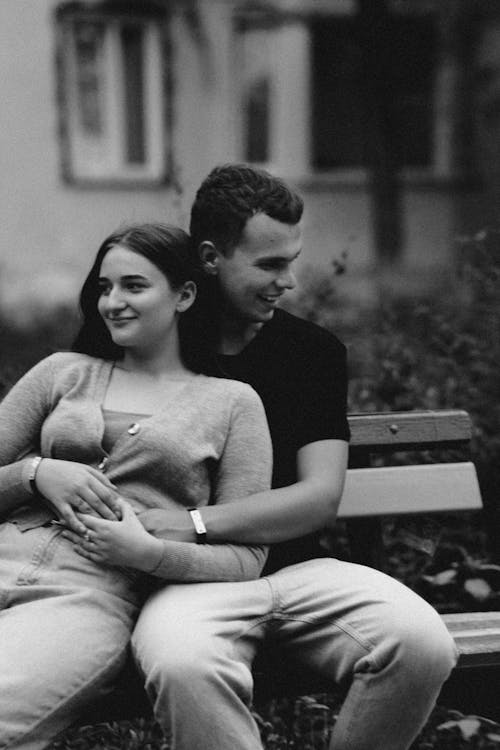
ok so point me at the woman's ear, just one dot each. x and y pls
(187, 296)
(209, 257)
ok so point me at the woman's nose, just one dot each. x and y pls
(114, 300)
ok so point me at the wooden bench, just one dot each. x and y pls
(371, 493)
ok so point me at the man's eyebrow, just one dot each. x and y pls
(278, 258)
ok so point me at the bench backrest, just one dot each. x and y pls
(422, 488)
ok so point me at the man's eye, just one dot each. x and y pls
(269, 266)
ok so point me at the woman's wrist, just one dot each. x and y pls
(152, 555)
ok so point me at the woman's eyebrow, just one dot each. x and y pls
(127, 277)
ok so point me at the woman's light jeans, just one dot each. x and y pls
(64, 630)
(196, 643)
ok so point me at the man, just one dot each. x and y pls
(356, 626)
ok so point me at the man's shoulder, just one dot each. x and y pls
(305, 334)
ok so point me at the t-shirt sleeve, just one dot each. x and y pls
(321, 404)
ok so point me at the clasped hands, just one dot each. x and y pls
(102, 525)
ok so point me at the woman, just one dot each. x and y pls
(121, 416)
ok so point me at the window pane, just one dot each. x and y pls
(414, 64)
(339, 96)
(338, 102)
(257, 121)
(89, 38)
(132, 39)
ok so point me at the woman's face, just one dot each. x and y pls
(137, 302)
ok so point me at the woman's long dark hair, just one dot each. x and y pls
(169, 249)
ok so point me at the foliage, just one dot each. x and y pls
(304, 723)
(439, 352)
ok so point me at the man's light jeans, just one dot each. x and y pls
(64, 629)
(196, 643)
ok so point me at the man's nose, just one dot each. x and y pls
(286, 279)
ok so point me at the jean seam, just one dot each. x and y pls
(341, 624)
(42, 554)
(67, 699)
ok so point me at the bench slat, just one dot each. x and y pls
(423, 488)
(477, 635)
(403, 430)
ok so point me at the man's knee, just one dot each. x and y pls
(425, 651)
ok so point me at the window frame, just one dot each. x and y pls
(113, 171)
(444, 165)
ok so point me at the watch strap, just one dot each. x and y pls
(199, 526)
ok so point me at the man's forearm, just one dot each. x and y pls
(269, 516)
(266, 518)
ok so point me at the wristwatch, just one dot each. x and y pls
(35, 463)
(199, 526)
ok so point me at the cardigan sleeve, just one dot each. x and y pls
(244, 468)
(22, 413)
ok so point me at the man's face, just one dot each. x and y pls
(256, 274)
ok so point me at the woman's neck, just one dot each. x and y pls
(155, 364)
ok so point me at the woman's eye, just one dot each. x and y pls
(103, 290)
(134, 287)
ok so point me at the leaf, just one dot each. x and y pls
(443, 578)
(468, 727)
(478, 588)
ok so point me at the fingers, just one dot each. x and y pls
(92, 523)
(100, 499)
(103, 479)
(70, 519)
(85, 545)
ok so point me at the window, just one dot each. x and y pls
(113, 90)
(341, 91)
(312, 102)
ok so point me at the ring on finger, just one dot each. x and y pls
(87, 536)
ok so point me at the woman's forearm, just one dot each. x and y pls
(184, 562)
(14, 484)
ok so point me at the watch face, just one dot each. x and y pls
(198, 524)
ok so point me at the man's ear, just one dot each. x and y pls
(209, 257)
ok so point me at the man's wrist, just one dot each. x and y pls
(199, 525)
(29, 473)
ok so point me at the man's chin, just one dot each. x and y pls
(264, 316)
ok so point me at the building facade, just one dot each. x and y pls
(113, 111)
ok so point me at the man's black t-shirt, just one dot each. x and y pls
(299, 371)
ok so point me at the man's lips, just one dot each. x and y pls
(270, 298)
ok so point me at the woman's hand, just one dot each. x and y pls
(70, 488)
(125, 542)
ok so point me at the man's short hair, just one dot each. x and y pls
(232, 194)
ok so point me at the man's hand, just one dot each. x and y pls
(70, 488)
(172, 524)
(125, 543)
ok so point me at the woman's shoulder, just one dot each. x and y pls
(64, 359)
(63, 365)
(230, 391)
